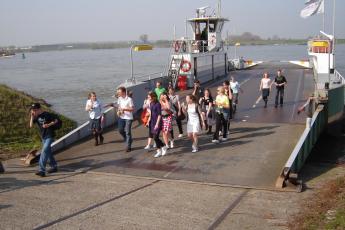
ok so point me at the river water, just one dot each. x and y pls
(64, 78)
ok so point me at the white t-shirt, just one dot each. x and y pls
(125, 103)
(235, 86)
(265, 83)
(96, 111)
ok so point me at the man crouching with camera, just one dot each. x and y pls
(44, 121)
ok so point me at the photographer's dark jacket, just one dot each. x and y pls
(45, 118)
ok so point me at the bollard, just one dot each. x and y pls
(308, 123)
(2, 169)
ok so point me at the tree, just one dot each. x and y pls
(144, 38)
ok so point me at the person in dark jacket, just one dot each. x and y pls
(44, 121)
(280, 82)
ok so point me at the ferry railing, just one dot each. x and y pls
(190, 46)
(338, 77)
(314, 127)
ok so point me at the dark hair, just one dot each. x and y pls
(192, 97)
(122, 89)
(226, 82)
(197, 81)
(166, 94)
(153, 96)
(130, 94)
(209, 92)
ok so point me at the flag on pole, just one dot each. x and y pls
(313, 7)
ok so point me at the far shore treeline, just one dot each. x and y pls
(245, 39)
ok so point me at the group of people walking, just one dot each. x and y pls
(161, 109)
(266, 86)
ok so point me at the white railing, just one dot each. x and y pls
(149, 76)
(339, 77)
(190, 46)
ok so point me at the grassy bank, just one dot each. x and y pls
(325, 210)
(16, 138)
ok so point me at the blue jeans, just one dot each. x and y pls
(125, 129)
(46, 153)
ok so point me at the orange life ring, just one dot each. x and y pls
(186, 66)
(177, 46)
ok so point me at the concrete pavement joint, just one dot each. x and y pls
(271, 189)
(227, 211)
(94, 206)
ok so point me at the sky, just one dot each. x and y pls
(34, 22)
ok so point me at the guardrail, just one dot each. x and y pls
(83, 131)
(339, 77)
(315, 126)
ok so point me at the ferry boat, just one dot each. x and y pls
(203, 56)
(6, 53)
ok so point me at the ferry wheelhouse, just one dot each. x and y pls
(202, 57)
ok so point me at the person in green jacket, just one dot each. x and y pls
(159, 89)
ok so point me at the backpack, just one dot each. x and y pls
(58, 124)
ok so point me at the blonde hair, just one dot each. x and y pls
(221, 89)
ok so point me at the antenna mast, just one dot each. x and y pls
(219, 8)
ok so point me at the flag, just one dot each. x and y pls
(312, 7)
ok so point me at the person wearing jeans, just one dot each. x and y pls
(44, 121)
(125, 108)
(46, 154)
(125, 129)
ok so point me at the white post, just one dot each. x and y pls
(185, 29)
(174, 32)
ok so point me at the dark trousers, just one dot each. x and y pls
(179, 126)
(221, 121)
(280, 95)
(158, 141)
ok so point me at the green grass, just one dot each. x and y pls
(325, 209)
(15, 135)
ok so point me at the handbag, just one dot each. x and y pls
(182, 116)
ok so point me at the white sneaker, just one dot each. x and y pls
(159, 153)
(194, 149)
(215, 141)
(147, 147)
(224, 139)
(171, 144)
(167, 146)
(180, 135)
(164, 151)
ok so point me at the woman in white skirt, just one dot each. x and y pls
(195, 120)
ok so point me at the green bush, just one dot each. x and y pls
(15, 134)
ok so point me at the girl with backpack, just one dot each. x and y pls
(206, 103)
(195, 120)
